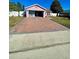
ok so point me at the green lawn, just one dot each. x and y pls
(61, 20)
(14, 20)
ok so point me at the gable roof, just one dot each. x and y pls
(35, 5)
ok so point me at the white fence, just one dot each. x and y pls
(53, 14)
(16, 13)
(20, 13)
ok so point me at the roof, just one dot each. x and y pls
(36, 5)
(48, 10)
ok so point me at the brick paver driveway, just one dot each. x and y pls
(37, 24)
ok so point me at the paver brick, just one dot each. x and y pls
(37, 24)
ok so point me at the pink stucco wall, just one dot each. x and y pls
(35, 8)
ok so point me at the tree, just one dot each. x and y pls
(22, 7)
(12, 6)
(56, 7)
(18, 7)
(15, 7)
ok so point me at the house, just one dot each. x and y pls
(35, 11)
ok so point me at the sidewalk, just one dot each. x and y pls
(45, 45)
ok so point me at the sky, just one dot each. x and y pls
(45, 3)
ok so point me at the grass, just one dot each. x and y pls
(62, 20)
(14, 20)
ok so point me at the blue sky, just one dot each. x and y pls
(45, 3)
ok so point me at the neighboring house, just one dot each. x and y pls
(36, 11)
(21, 13)
(13, 13)
(66, 13)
